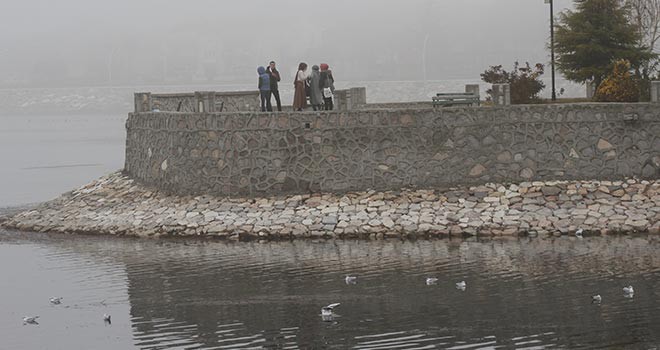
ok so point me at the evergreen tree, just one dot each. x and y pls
(590, 39)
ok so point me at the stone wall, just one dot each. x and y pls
(251, 154)
(348, 99)
(200, 101)
(238, 101)
(173, 102)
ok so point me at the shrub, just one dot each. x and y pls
(619, 85)
(525, 81)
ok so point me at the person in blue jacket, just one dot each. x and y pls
(264, 89)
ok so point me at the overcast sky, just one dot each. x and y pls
(119, 42)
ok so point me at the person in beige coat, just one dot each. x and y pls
(300, 84)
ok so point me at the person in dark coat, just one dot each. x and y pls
(300, 82)
(315, 95)
(264, 89)
(327, 85)
(274, 79)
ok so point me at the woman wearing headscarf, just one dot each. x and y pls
(299, 95)
(327, 86)
(316, 95)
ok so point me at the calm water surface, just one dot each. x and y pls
(525, 294)
(42, 156)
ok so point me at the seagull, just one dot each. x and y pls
(56, 300)
(578, 233)
(351, 279)
(106, 319)
(327, 318)
(327, 310)
(30, 320)
(431, 281)
(461, 285)
(628, 290)
(596, 298)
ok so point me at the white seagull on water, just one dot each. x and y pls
(579, 232)
(351, 279)
(596, 298)
(30, 320)
(431, 281)
(461, 285)
(327, 310)
(628, 290)
(56, 300)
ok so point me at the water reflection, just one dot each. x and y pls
(530, 293)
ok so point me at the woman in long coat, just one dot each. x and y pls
(327, 86)
(299, 95)
(316, 95)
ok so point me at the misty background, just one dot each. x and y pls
(69, 43)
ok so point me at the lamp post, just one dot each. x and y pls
(552, 47)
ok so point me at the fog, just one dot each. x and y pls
(63, 43)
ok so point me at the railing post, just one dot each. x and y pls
(474, 89)
(655, 91)
(142, 102)
(502, 94)
(204, 101)
(359, 97)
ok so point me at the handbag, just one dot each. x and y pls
(327, 92)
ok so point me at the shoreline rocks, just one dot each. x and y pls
(116, 205)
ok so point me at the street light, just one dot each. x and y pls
(552, 47)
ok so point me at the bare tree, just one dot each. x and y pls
(646, 15)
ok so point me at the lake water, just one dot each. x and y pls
(521, 293)
(42, 156)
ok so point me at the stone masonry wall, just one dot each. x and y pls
(239, 101)
(170, 102)
(210, 101)
(254, 154)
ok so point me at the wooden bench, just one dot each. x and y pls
(458, 98)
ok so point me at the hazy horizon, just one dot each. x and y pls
(147, 42)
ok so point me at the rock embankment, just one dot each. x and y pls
(115, 205)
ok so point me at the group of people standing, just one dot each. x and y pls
(319, 86)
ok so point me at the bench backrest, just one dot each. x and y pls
(456, 98)
(462, 95)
